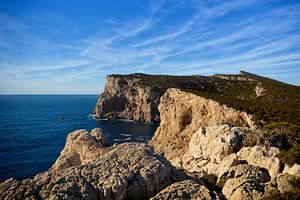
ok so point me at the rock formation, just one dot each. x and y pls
(126, 98)
(82, 147)
(130, 171)
(245, 182)
(262, 156)
(212, 149)
(182, 114)
(184, 190)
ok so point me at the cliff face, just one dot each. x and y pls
(126, 98)
(183, 113)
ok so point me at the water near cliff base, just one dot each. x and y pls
(33, 130)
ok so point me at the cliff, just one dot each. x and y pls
(183, 113)
(126, 98)
(137, 96)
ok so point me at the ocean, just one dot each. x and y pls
(32, 133)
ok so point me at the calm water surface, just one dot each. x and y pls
(32, 133)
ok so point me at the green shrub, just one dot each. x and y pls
(211, 181)
(222, 181)
(294, 194)
(283, 135)
(276, 195)
(290, 156)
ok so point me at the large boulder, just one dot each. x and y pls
(212, 149)
(131, 171)
(286, 183)
(262, 156)
(184, 190)
(245, 182)
(82, 147)
(292, 170)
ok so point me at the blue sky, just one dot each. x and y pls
(68, 46)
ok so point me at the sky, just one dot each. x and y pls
(69, 46)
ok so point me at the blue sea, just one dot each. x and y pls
(32, 133)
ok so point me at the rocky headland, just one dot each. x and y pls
(219, 137)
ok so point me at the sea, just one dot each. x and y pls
(33, 130)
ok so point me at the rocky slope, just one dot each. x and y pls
(129, 171)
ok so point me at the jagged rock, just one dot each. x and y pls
(263, 157)
(184, 190)
(259, 90)
(245, 182)
(82, 147)
(182, 114)
(127, 98)
(284, 182)
(131, 170)
(292, 170)
(211, 149)
(100, 137)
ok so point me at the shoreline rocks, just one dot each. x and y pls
(82, 147)
(130, 170)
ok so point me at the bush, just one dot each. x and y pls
(290, 156)
(283, 135)
(294, 194)
(211, 181)
(222, 181)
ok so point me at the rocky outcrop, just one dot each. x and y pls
(125, 97)
(129, 171)
(292, 170)
(184, 190)
(182, 114)
(82, 147)
(263, 157)
(245, 182)
(212, 149)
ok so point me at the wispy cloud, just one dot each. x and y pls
(187, 37)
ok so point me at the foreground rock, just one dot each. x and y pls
(130, 171)
(82, 147)
(263, 157)
(212, 149)
(245, 182)
(184, 190)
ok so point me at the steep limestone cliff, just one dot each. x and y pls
(126, 98)
(182, 114)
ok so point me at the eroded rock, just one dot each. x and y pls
(127, 98)
(182, 114)
(245, 182)
(131, 170)
(262, 156)
(212, 149)
(82, 147)
(184, 190)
